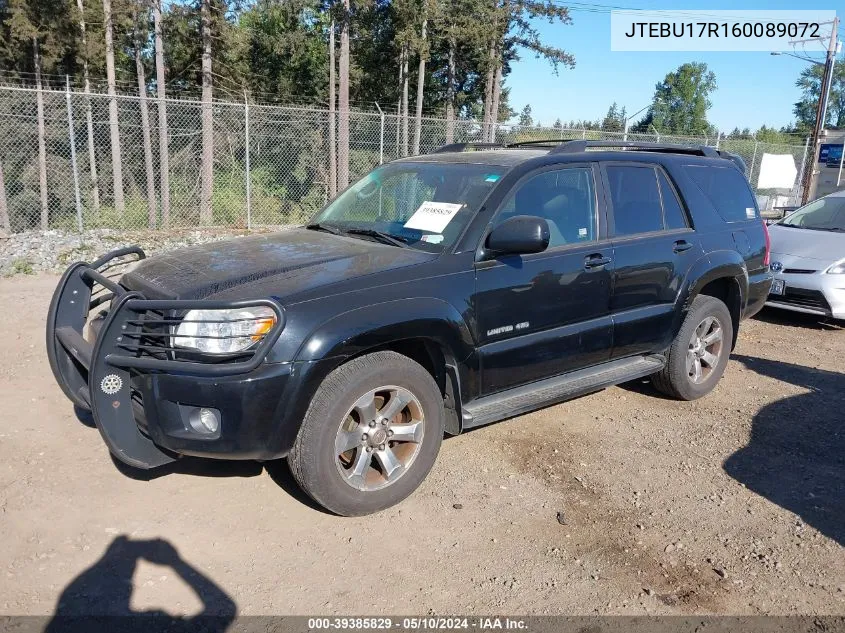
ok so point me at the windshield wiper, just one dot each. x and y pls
(324, 227)
(834, 229)
(386, 238)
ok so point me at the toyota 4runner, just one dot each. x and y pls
(436, 294)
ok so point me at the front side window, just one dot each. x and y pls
(825, 214)
(422, 205)
(565, 198)
(635, 198)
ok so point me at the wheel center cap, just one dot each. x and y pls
(377, 437)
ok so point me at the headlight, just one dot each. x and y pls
(837, 269)
(224, 331)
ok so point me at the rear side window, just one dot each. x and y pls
(727, 189)
(635, 198)
(673, 212)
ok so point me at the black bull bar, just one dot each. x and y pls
(97, 376)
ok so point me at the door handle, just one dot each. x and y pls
(681, 245)
(596, 261)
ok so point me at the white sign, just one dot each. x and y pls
(777, 171)
(433, 216)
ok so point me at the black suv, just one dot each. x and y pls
(436, 294)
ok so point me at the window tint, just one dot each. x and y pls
(565, 198)
(673, 213)
(635, 198)
(727, 189)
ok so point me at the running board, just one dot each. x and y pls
(543, 393)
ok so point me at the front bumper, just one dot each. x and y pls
(811, 293)
(142, 394)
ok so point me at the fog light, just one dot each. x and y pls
(205, 421)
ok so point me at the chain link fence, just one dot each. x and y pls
(272, 164)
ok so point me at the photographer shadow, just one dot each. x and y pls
(99, 597)
(795, 456)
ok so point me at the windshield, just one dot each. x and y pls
(423, 205)
(825, 214)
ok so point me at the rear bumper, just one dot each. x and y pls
(758, 289)
(143, 401)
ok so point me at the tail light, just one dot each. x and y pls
(768, 244)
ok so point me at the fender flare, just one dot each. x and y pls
(723, 264)
(355, 331)
(429, 319)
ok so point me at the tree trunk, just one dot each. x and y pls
(405, 79)
(343, 102)
(420, 91)
(163, 137)
(207, 121)
(450, 92)
(332, 117)
(145, 130)
(89, 116)
(42, 141)
(494, 110)
(488, 93)
(117, 163)
(4, 205)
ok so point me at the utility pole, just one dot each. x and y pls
(821, 109)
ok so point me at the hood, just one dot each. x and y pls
(278, 264)
(826, 246)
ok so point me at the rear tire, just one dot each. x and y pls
(700, 352)
(370, 436)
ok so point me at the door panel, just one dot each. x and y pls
(647, 276)
(540, 317)
(653, 248)
(545, 314)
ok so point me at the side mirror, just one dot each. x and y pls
(519, 235)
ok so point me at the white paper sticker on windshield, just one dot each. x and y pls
(750, 213)
(433, 216)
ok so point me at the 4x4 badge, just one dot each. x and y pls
(111, 384)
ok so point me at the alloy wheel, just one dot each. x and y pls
(379, 438)
(705, 349)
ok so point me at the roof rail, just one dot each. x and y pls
(540, 141)
(572, 147)
(461, 147)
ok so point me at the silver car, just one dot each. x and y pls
(808, 258)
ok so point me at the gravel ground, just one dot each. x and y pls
(51, 251)
(617, 503)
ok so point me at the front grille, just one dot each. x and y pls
(800, 297)
(798, 271)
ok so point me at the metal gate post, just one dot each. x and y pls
(72, 140)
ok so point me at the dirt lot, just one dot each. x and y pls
(732, 504)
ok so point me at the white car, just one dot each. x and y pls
(808, 259)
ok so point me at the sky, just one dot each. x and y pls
(754, 88)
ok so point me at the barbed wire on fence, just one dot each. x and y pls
(271, 163)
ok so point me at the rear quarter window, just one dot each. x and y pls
(727, 189)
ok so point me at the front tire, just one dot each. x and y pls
(700, 352)
(370, 436)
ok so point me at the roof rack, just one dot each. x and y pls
(565, 146)
(572, 147)
(462, 147)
